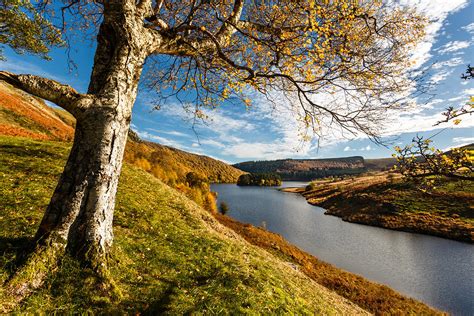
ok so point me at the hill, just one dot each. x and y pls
(309, 169)
(306, 169)
(24, 115)
(170, 256)
(380, 164)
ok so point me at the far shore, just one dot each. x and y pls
(382, 199)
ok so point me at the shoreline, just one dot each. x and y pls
(361, 207)
(371, 296)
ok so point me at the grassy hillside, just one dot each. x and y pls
(169, 256)
(380, 164)
(24, 115)
(305, 169)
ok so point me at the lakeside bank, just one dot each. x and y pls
(384, 200)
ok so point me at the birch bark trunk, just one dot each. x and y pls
(80, 214)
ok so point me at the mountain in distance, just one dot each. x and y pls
(26, 116)
(310, 169)
(306, 169)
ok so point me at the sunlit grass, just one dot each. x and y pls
(169, 254)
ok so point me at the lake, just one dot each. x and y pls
(434, 270)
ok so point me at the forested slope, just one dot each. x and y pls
(305, 169)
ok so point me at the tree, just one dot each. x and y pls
(421, 160)
(203, 52)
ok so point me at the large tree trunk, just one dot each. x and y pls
(81, 210)
(79, 216)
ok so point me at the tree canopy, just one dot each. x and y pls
(335, 63)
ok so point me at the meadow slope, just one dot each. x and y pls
(170, 256)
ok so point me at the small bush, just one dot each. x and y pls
(224, 208)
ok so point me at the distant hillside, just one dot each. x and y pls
(306, 169)
(380, 164)
(27, 116)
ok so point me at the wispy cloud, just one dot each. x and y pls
(454, 46)
(453, 62)
(436, 11)
(466, 140)
(469, 28)
(441, 75)
(172, 133)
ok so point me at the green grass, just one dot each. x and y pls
(169, 255)
(448, 199)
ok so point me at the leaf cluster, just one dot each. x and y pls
(421, 160)
(25, 30)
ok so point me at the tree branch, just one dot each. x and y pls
(62, 95)
(178, 45)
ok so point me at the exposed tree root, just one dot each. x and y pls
(41, 264)
(30, 275)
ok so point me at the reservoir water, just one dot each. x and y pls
(437, 271)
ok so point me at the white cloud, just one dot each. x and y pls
(162, 140)
(465, 140)
(453, 46)
(456, 99)
(468, 91)
(469, 28)
(172, 133)
(441, 75)
(436, 11)
(453, 62)
(213, 143)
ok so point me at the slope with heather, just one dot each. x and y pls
(24, 115)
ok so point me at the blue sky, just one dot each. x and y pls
(235, 133)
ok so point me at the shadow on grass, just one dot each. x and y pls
(162, 304)
(14, 251)
(28, 152)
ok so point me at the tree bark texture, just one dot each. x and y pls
(80, 214)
